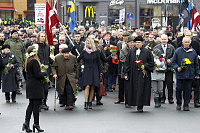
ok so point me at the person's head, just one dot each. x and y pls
(91, 36)
(164, 39)
(61, 47)
(125, 36)
(42, 38)
(30, 30)
(158, 40)
(33, 37)
(151, 37)
(146, 37)
(134, 35)
(65, 53)
(62, 39)
(6, 49)
(130, 42)
(100, 40)
(156, 52)
(90, 44)
(137, 31)
(81, 33)
(186, 42)
(155, 32)
(189, 34)
(55, 41)
(169, 34)
(185, 29)
(107, 36)
(120, 33)
(2, 36)
(179, 34)
(14, 34)
(138, 42)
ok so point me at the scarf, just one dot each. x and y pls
(89, 51)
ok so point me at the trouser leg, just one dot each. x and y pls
(7, 95)
(126, 85)
(36, 105)
(29, 111)
(154, 85)
(188, 87)
(196, 92)
(121, 89)
(169, 82)
(179, 86)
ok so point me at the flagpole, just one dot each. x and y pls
(69, 38)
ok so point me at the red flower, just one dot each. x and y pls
(149, 45)
(161, 59)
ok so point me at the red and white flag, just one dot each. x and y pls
(51, 21)
(195, 19)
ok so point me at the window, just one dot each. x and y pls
(30, 4)
(113, 14)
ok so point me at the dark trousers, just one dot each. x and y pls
(68, 96)
(13, 95)
(80, 79)
(169, 83)
(121, 88)
(33, 107)
(185, 84)
(196, 91)
(45, 85)
(110, 81)
(126, 85)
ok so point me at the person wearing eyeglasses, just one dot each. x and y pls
(62, 40)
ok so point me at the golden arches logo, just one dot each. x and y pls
(69, 10)
(88, 9)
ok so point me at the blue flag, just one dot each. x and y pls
(72, 16)
(190, 8)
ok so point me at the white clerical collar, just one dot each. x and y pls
(138, 52)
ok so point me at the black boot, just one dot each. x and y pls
(44, 102)
(86, 105)
(140, 109)
(38, 128)
(7, 95)
(157, 102)
(90, 105)
(26, 127)
(14, 96)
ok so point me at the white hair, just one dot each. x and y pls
(134, 34)
(164, 35)
(63, 46)
(186, 37)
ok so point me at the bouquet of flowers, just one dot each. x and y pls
(6, 70)
(52, 49)
(149, 47)
(168, 64)
(44, 69)
(139, 64)
(113, 50)
(185, 63)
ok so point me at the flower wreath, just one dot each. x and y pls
(34, 51)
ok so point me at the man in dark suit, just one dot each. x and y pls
(151, 41)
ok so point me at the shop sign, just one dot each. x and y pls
(88, 11)
(116, 2)
(40, 14)
(68, 9)
(121, 15)
(163, 1)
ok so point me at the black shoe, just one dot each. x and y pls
(196, 105)
(7, 101)
(14, 100)
(127, 106)
(178, 107)
(37, 127)
(111, 90)
(90, 105)
(99, 103)
(162, 100)
(26, 127)
(157, 105)
(118, 102)
(140, 109)
(186, 108)
(18, 92)
(171, 101)
(45, 107)
(86, 105)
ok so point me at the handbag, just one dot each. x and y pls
(102, 91)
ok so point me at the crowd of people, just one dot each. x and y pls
(138, 61)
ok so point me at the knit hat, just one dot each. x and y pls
(13, 31)
(130, 38)
(157, 52)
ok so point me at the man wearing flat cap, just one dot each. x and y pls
(17, 47)
(120, 46)
(137, 69)
(65, 71)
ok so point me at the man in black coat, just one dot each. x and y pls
(167, 51)
(120, 46)
(139, 92)
(2, 39)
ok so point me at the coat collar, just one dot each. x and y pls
(189, 50)
(4, 55)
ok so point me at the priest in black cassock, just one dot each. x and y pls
(139, 91)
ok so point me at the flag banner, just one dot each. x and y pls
(122, 15)
(51, 20)
(195, 19)
(72, 16)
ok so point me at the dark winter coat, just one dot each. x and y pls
(193, 69)
(34, 85)
(139, 91)
(9, 81)
(92, 68)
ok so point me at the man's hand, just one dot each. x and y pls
(142, 67)
(196, 77)
(105, 48)
(168, 61)
(55, 76)
(76, 80)
(156, 69)
(105, 71)
(179, 69)
(126, 77)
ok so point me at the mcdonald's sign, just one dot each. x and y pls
(68, 9)
(88, 11)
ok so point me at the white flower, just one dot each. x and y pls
(52, 56)
(12, 56)
(82, 66)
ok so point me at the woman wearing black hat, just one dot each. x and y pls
(34, 89)
(9, 82)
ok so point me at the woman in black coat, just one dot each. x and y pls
(92, 70)
(34, 89)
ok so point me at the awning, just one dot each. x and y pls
(6, 8)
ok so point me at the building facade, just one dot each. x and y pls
(146, 12)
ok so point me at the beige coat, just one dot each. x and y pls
(65, 68)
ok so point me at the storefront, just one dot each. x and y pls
(6, 13)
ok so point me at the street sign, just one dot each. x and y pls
(130, 16)
(40, 14)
